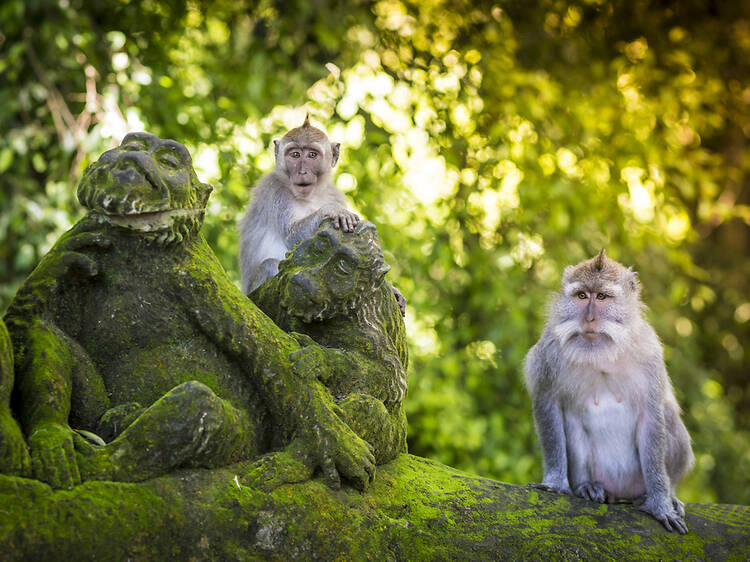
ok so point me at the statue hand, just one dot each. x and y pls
(338, 451)
(14, 457)
(310, 362)
(52, 455)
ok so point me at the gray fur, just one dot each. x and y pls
(604, 408)
(276, 220)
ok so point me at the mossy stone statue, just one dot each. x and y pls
(130, 331)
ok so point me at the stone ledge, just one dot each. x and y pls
(416, 509)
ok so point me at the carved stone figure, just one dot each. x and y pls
(331, 290)
(14, 458)
(130, 330)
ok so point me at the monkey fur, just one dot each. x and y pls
(604, 408)
(290, 202)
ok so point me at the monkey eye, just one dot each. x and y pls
(295, 154)
(581, 295)
(601, 296)
(312, 154)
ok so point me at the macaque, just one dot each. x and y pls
(604, 408)
(289, 203)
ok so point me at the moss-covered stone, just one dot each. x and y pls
(130, 328)
(415, 509)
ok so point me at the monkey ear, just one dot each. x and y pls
(634, 283)
(335, 147)
(276, 149)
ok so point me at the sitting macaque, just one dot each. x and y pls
(290, 202)
(605, 412)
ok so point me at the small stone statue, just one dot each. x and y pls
(136, 355)
(332, 296)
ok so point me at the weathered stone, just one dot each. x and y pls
(414, 510)
(130, 327)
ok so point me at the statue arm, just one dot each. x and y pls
(301, 408)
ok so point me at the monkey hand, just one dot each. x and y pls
(592, 491)
(53, 457)
(343, 218)
(664, 512)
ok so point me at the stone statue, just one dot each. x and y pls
(136, 355)
(332, 296)
(14, 458)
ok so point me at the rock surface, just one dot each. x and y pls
(415, 509)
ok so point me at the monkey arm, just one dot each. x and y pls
(651, 439)
(548, 418)
(301, 408)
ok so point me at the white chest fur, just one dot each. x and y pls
(602, 414)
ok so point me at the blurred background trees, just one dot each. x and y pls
(491, 142)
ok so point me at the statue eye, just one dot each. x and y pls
(581, 295)
(169, 160)
(601, 296)
(132, 146)
(344, 267)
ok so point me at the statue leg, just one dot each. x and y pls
(190, 426)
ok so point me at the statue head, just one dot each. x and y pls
(332, 272)
(146, 185)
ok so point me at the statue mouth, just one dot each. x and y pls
(152, 221)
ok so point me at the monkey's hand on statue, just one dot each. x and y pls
(593, 491)
(344, 219)
(338, 452)
(663, 510)
(53, 457)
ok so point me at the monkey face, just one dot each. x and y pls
(306, 165)
(147, 184)
(595, 309)
(327, 274)
(306, 156)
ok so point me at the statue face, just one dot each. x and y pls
(146, 184)
(327, 274)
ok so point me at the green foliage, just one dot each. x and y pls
(491, 143)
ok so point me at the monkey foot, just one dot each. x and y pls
(592, 491)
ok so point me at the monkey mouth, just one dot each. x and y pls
(591, 335)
